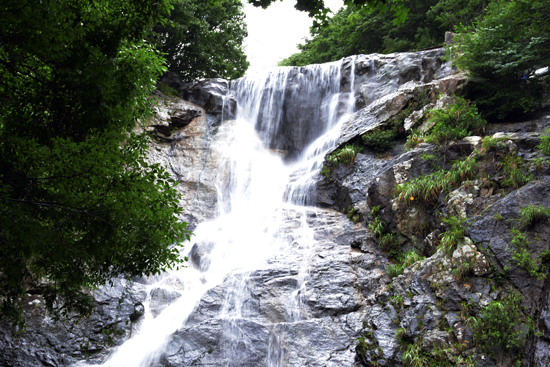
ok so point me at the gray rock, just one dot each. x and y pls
(47, 342)
(161, 298)
(541, 355)
(199, 255)
(495, 235)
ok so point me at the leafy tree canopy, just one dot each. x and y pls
(501, 51)
(203, 39)
(353, 31)
(78, 203)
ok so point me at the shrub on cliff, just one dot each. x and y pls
(502, 325)
(459, 120)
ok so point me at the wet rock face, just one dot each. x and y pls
(213, 96)
(160, 299)
(199, 255)
(319, 331)
(296, 104)
(382, 85)
(185, 152)
(495, 234)
(47, 342)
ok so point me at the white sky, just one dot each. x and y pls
(273, 33)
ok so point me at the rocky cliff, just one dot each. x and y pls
(341, 293)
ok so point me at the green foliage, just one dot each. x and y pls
(397, 300)
(377, 227)
(544, 145)
(362, 346)
(415, 138)
(428, 188)
(461, 270)
(501, 50)
(453, 236)
(378, 140)
(456, 121)
(514, 176)
(532, 214)
(491, 144)
(166, 89)
(539, 163)
(502, 325)
(522, 257)
(345, 154)
(79, 204)
(203, 39)
(326, 171)
(412, 356)
(352, 215)
(354, 31)
(388, 242)
(404, 261)
(401, 333)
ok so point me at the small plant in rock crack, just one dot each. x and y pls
(352, 215)
(491, 144)
(362, 346)
(414, 139)
(401, 335)
(387, 241)
(532, 214)
(405, 260)
(513, 173)
(539, 163)
(377, 227)
(398, 303)
(453, 236)
(522, 257)
(389, 244)
(326, 171)
(460, 271)
(412, 356)
(435, 286)
(375, 210)
(544, 145)
(344, 155)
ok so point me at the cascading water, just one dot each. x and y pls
(258, 194)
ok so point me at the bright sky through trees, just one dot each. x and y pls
(273, 33)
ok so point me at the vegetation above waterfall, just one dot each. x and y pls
(203, 39)
(352, 31)
(501, 51)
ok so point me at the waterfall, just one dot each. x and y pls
(286, 121)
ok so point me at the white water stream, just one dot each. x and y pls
(255, 192)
